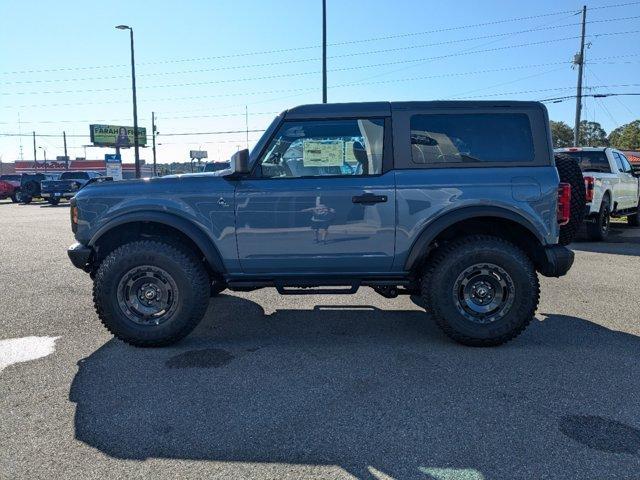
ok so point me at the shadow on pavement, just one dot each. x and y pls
(60, 205)
(369, 390)
(623, 240)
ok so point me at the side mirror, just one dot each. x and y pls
(240, 162)
(635, 170)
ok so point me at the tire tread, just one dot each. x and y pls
(481, 243)
(193, 269)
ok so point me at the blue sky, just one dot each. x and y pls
(64, 66)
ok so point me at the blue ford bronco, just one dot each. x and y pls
(457, 203)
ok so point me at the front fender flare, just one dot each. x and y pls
(187, 227)
(434, 228)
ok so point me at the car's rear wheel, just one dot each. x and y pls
(598, 227)
(15, 197)
(150, 293)
(483, 291)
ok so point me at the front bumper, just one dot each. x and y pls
(80, 256)
(556, 261)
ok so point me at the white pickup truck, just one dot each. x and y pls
(612, 188)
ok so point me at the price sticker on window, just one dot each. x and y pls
(326, 153)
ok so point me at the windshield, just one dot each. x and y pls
(591, 161)
(74, 176)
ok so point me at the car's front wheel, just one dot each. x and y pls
(53, 201)
(483, 291)
(150, 293)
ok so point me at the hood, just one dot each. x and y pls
(149, 187)
(219, 173)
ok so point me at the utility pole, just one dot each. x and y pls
(66, 158)
(35, 150)
(579, 60)
(246, 123)
(153, 136)
(324, 51)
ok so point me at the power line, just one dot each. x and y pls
(263, 52)
(593, 95)
(409, 47)
(223, 95)
(285, 50)
(549, 27)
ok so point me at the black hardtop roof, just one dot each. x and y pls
(383, 109)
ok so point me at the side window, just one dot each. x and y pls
(471, 138)
(618, 160)
(625, 164)
(316, 148)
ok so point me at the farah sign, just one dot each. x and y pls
(116, 136)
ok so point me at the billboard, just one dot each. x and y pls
(198, 154)
(116, 136)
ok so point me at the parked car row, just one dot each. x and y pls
(52, 187)
(612, 188)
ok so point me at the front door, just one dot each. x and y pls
(318, 201)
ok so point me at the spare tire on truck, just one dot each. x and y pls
(570, 173)
(31, 188)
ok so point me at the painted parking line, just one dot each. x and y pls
(25, 349)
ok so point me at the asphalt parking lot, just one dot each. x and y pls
(316, 387)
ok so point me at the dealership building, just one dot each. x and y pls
(79, 164)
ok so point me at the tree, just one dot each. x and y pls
(562, 134)
(626, 137)
(592, 134)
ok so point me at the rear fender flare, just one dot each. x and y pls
(419, 249)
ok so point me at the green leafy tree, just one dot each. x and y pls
(592, 134)
(626, 137)
(562, 134)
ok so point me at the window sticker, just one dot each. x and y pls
(324, 153)
(349, 156)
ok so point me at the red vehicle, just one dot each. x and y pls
(10, 187)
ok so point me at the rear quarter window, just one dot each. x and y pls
(471, 138)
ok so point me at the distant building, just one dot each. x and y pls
(29, 166)
(633, 156)
(7, 168)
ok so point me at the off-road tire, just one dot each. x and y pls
(598, 228)
(186, 270)
(31, 188)
(634, 220)
(439, 289)
(570, 173)
(53, 201)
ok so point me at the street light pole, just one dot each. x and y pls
(153, 134)
(136, 142)
(324, 51)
